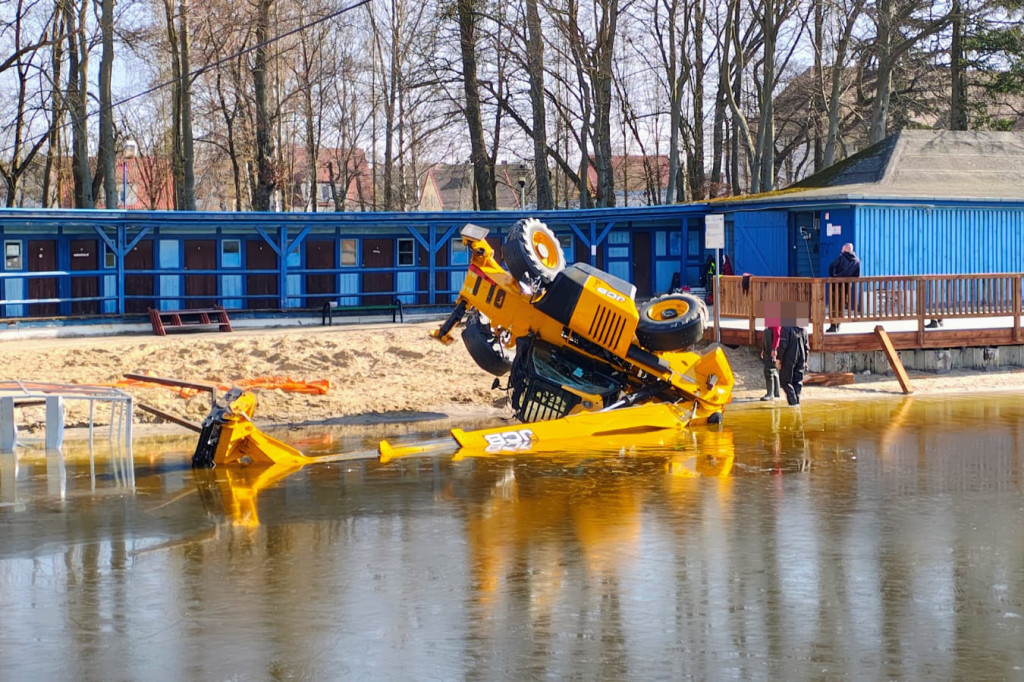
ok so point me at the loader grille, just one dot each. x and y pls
(539, 377)
(606, 327)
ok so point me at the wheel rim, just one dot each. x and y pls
(669, 309)
(545, 248)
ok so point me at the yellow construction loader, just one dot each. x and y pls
(572, 339)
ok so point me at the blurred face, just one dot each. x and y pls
(782, 313)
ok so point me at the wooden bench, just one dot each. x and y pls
(176, 320)
(327, 311)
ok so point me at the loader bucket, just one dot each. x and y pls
(229, 437)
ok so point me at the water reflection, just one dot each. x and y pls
(876, 540)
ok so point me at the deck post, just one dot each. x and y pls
(1018, 281)
(817, 313)
(753, 314)
(921, 284)
(8, 429)
(54, 422)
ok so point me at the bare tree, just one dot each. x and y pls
(20, 146)
(467, 12)
(899, 26)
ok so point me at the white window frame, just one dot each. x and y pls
(399, 243)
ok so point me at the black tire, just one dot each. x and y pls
(484, 347)
(672, 322)
(532, 252)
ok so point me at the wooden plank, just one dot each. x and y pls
(167, 416)
(167, 381)
(894, 359)
(829, 379)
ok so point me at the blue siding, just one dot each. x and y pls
(231, 286)
(293, 289)
(406, 282)
(110, 291)
(920, 240)
(349, 285)
(760, 243)
(170, 285)
(14, 290)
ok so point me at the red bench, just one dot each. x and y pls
(175, 320)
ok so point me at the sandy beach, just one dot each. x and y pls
(376, 372)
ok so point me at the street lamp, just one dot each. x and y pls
(128, 152)
(522, 185)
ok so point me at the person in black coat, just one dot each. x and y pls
(795, 351)
(846, 265)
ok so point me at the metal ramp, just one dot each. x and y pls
(17, 394)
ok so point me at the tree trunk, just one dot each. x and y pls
(718, 130)
(883, 82)
(107, 153)
(266, 181)
(602, 79)
(187, 200)
(764, 153)
(818, 92)
(958, 90)
(78, 83)
(696, 166)
(535, 62)
(483, 170)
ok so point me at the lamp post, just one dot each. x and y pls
(128, 152)
(522, 186)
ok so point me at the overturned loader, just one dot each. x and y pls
(572, 339)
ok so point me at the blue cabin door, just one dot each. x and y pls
(760, 243)
(805, 243)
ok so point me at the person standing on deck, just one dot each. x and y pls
(846, 265)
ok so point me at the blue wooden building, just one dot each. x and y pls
(71, 263)
(919, 202)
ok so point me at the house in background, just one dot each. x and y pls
(344, 181)
(147, 181)
(639, 180)
(450, 187)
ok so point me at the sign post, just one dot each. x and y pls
(714, 238)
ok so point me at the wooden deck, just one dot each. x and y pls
(975, 310)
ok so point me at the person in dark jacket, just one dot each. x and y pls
(795, 351)
(846, 265)
(770, 359)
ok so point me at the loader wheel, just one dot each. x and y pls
(484, 347)
(532, 252)
(671, 322)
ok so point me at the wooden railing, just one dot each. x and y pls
(921, 299)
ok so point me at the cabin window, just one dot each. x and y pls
(12, 255)
(231, 253)
(406, 252)
(109, 257)
(349, 249)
